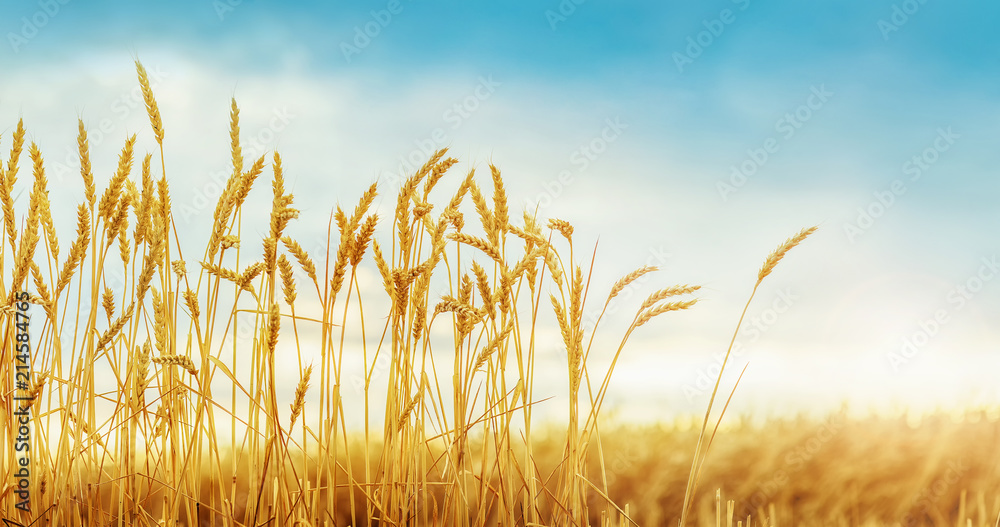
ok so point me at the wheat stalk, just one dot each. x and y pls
(191, 301)
(108, 302)
(500, 210)
(779, 253)
(300, 396)
(667, 293)
(177, 360)
(563, 227)
(364, 236)
(78, 250)
(626, 280)
(83, 146)
(301, 256)
(151, 108)
(663, 308)
(486, 247)
(109, 199)
(7, 185)
(287, 281)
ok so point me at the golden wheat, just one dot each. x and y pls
(177, 360)
(151, 108)
(627, 280)
(779, 253)
(563, 227)
(7, 185)
(300, 396)
(109, 199)
(458, 446)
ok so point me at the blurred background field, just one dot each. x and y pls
(877, 471)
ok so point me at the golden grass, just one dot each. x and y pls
(201, 438)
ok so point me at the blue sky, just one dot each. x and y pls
(840, 96)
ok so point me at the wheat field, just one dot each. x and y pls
(134, 404)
